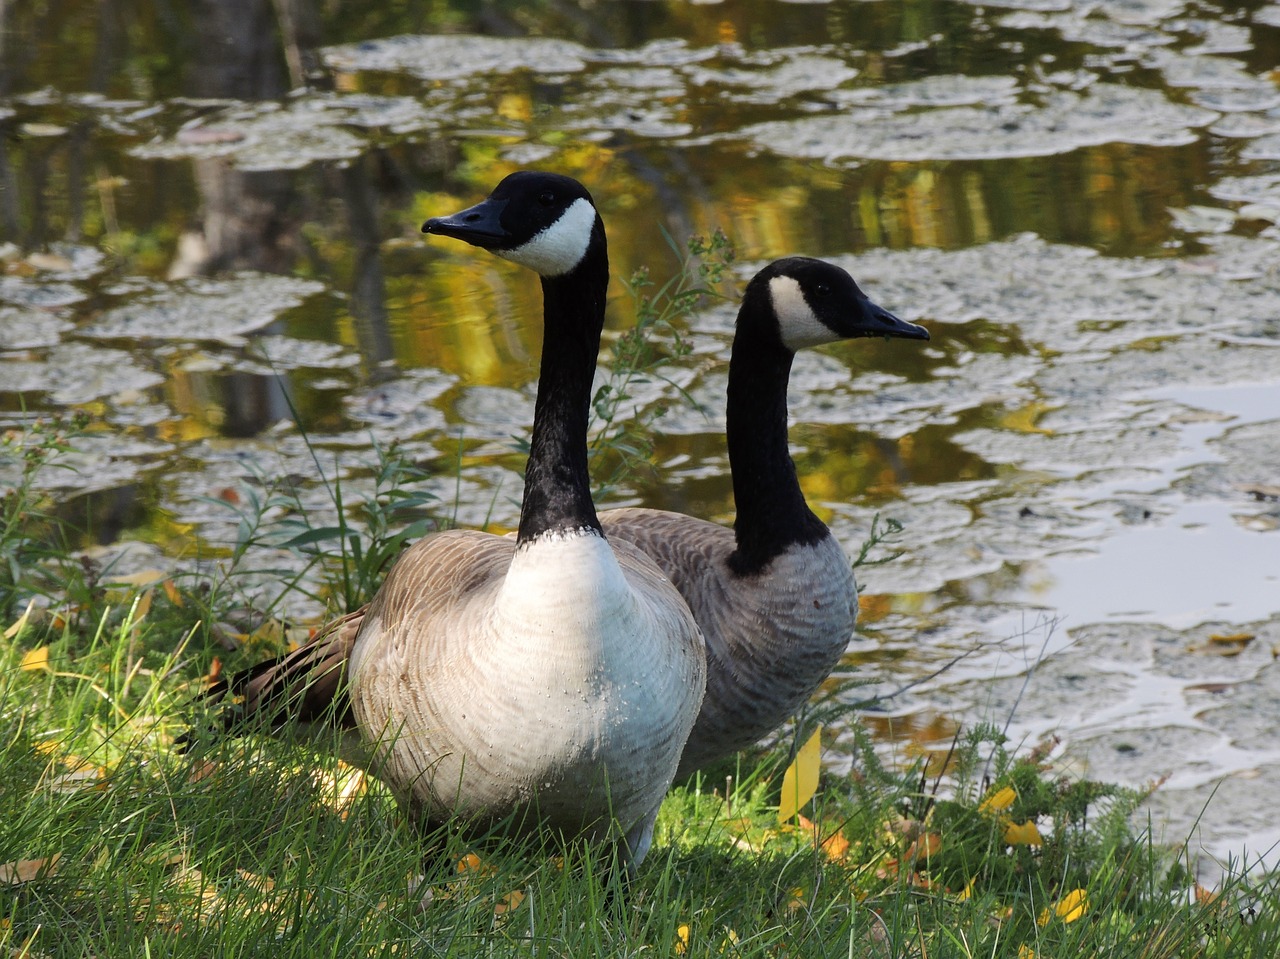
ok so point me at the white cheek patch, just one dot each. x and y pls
(561, 246)
(798, 325)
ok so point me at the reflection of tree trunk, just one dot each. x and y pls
(249, 219)
(8, 186)
(300, 38)
(368, 293)
(238, 55)
(251, 402)
(249, 222)
(8, 182)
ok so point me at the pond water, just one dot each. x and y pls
(209, 239)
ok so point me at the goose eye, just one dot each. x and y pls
(822, 289)
(547, 198)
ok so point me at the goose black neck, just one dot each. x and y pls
(772, 514)
(557, 486)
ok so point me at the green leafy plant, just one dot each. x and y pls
(398, 511)
(621, 440)
(34, 543)
(882, 533)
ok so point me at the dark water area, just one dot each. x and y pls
(209, 244)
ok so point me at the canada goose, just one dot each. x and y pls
(775, 595)
(548, 678)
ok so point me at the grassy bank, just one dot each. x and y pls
(114, 843)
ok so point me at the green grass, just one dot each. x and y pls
(261, 847)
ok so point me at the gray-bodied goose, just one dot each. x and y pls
(775, 595)
(548, 678)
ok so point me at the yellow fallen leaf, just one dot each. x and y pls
(21, 623)
(142, 578)
(800, 781)
(37, 658)
(25, 870)
(1022, 834)
(472, 865)
(47, 261)
(795, 899)
(1026, 952)
(262, 884)
(998, 801)
(174, 595)
(1069, 908)
(142, 607)
(1073, 905)
(509, 902)
(340, 789)
(81, 775)
(1231, 637)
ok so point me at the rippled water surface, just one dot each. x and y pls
(202, 241)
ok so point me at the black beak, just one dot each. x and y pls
(479, 225)
(877, 321)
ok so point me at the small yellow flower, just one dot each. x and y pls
(1022, 834)
(1026, 952)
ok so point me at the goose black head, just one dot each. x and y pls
(817, 302)
(543, 221)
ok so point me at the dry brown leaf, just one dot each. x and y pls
(1205, 897)
(201, 769)
(924, 846)
(26, 870)
(835, 846)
